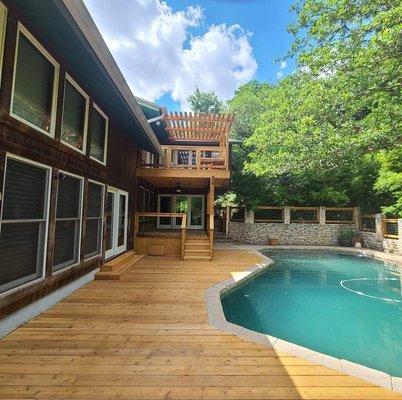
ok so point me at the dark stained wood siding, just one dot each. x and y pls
(22, 140)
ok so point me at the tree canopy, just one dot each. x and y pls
(205, 102)
(330, 133)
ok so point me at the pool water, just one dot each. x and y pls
(346, 306)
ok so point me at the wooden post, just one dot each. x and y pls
(321, 215)
(286, 215)
(54, 182)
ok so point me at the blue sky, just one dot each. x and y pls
(165, 49)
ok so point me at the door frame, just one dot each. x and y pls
(116, 250)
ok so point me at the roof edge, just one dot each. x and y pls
(84, 21)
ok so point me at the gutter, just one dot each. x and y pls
(84, 21)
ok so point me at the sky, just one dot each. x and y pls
(167, 48)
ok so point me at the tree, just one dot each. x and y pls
(205, 102)
(323, 133)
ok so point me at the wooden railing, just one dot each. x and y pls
(390, 228)
(340, 215)
(198, 157)
(183, 217)
(210, 232)
(304, 214)
(269, 214)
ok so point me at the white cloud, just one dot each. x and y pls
(283, 65)
(155, 50)
(279, 75)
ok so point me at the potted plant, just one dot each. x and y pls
(273, 241)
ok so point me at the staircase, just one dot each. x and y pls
(198, 248)
(119, 266)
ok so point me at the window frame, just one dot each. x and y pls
(4, 13)
(21, 29)
(104, 161)
(81, 213)
(46, 218)
(86, 118)
(102, 219)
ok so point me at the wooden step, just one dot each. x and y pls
(197, 253)
(123, 267)
(198, 242)
(200, 246)
(197, 258)
(116, 262)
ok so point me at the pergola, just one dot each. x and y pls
(198, 127)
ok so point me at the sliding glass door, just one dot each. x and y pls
(193, 205)
(116, 214)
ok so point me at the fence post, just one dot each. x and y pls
(321, 215)
(248, 216)
(286, 215)
(400, 235)
(356, 217)
(379, 228)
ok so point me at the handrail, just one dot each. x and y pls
(183, 235)
(211, 227)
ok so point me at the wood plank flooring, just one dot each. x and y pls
(146, 336)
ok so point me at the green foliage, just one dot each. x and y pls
(330, 133)
(348, 236)
(390, 179)
(205, 102)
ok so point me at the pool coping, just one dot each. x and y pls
(216, 316)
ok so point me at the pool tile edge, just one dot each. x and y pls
(216, 318)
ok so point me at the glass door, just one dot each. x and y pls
(196, 214)
(109, 216)
(116, 214)
(182, 206)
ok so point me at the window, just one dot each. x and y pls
(68, 222)
(93, 243)
(75, 116)
(23, 227)
(35, 81)
(99, 132)
(3, 23)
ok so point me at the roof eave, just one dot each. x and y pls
(84, 21)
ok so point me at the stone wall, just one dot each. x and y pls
(372, 241)
(288, 234)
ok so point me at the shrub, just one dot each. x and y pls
(348, 236)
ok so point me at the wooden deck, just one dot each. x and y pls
(146, 336)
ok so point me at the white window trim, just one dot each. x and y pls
(28, 35)
(102, 219)
(81, 210)
(85, 133)
(3, 11)
(46, 215)
(103, 162)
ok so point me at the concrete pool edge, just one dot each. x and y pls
(216, 316)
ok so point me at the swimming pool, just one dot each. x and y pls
(346, 306)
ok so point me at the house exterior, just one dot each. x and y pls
(70, 132)
(194, 167)
(89, 173)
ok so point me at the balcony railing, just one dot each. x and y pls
(189, 157)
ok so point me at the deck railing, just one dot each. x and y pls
(147, 215)
(190, 157)
(390, 228)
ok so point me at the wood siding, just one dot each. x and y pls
(20, 139)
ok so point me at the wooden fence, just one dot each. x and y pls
(390, 228)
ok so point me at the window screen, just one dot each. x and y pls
(94, 220)
(98, 136)
(74, 110)
(23, 224)
(33, 86)
(68, 222)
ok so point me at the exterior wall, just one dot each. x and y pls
(288, 234)
(19, 139)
